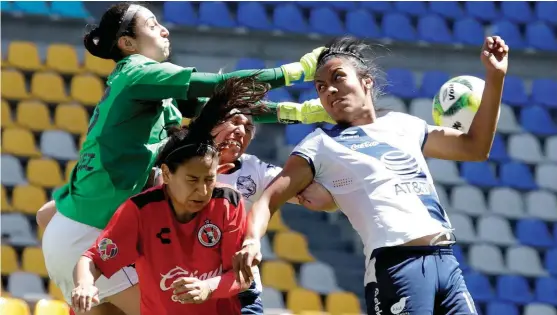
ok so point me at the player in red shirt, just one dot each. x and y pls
(183, 234)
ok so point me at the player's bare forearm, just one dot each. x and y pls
(85, 272)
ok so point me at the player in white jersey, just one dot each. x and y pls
(375, 169)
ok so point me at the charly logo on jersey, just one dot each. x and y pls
(399, 306)
(209, 234)
(246, 185)
(178, 272)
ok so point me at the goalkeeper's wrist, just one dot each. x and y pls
(293, 73)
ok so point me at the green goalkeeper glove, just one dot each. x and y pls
(303, 70)
(309, 112)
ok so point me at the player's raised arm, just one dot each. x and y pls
(475, 145)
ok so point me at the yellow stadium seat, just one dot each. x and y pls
(81, 141)
(55, 291)
(33, 115)
(24, 55)
(44, 173)
(51, 307)
(340, 303)
(318, 313)
(62, 58)
(279, 275)
(69, 168)
(49, 87)
(87, 89)
(13, 85)
(33, 261)
(72, 118)
(292, 246)
(299, 300)
(13, 306)
(7, 118)
(9, 260)
(28, 199)
(19, 141)
(276, 224)
(98, 66)
(6, 206)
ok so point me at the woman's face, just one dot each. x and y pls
(151, 38)
(233, 137)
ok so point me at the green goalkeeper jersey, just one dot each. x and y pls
(127, 130)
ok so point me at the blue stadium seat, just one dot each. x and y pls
(296, 133)
(311, 4)
(509, 32)
(533, 232)
(397, 26)
(342, 5)
(517, 175)
(401, 83)
(544, 92)
(514, 93)
(433, 28)
(6, 6)
(459, 255)
(545, 11)
(448, 9)
(308, 94)
(432, 82)
(71, 9)
(498, 150)
(288, 17)
(361, 23)
(325, 21)
(180, 13)
(31, 7)
(546, 290)
(468, 31)
(215, 13)
(479, 287)
(499, 308)
(279, 95)
(479, 174)
(513, 289)
(551, 261)
(252, 14)
(377, 6)
(415, 8)
(481, 10)
(250, 63)
(540, 36)
(517, 11)
(537, 120)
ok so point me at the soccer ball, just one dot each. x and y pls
(457, 102)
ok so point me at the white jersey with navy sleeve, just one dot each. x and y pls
(379, 178)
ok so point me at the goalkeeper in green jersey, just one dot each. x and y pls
(125, 133)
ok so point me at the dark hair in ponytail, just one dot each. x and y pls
(233, 96)
(119, 20)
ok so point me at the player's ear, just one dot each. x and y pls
(367, 82)
(165, 174)
(127, 45)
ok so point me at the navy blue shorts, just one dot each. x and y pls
(251, 302)
(417, 281)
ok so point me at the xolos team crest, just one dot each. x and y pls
(107, 249)
(209, 234)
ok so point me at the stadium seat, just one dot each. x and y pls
(24, 56)
(514, 93)
(250, 63)
(447, 9)
(444, 171)
(377, 6)
(180, 13)
(20, 142)
(253, 15)
(69, 9)
(17, 230)
(513, 289)
(341, 5)
(28, 199)
(459, 255)
(432, 82)
(533, 232)
(525, 148)
(266, 248)
(497, 308)
(342, 303)
(33, 261)
(479, 287)
(517, 175)
(13, 85)
(13, 306)
(483, 10)
(27, 286)
(464, 228)
(33, 115)
(539, 309)
(288, 17)
(297, 132)
(545, 176)
(9, 260)
(546, 290)
(506, 202)
(524, 261)
(507, 121)
(59, 145)
(12, 171)
(6, 206)
(442, 194)
(486, 259)
(421, 108)
(467, 31)
(44, 173)
(62, 58)
(299, 300)
(498, 151)
(540, 36)
(479, 174)
(87, 89)
(401, 83)
(397, 26)
(276, 224)
(550, 261)
(391, 103)
(325, 21)
(279, 275)
(55, 291)
(509, 32)
(72, 118)
(49, 87)
(426, 26)
(362, 24)
(318, 277)
(68, 170)
(414, 8)
(545, 11)
(215, 13)
(7, 117)
(544, 92)
(308, 94)
(495, 230)
(541, 204)
(32, 7)
(51, 307)
(272, 298)
(517, 11)
(292, 246)
(98, 66)
(279, 95)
